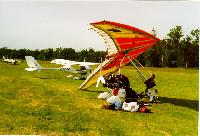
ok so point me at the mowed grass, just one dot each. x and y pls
(48, 103)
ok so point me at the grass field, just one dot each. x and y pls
(47, 103)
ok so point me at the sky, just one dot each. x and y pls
(54, 24)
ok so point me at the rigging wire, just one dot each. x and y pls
(120, 64)
(138, 70)
(143, 67)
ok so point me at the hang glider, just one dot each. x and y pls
(124, 43)
(13, 61)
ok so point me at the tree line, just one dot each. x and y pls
(58, 53)
(176, 50)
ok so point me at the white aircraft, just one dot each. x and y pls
(13, 61)
(84, 68)
(69, 62)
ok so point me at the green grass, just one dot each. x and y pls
(48, 103)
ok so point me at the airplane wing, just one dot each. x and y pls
(57, 61)
(69, 62)
(84, 63)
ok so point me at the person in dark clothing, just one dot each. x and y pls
(150, 83)
(121, 81)
(131, 95)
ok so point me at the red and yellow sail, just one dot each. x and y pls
(121, 41)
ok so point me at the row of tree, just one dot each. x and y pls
(176, 50)
(59, 53)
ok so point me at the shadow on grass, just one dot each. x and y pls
(48, 77)
(43, 77)
(191, 104)
(91, 91)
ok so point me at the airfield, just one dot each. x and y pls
(48, 103)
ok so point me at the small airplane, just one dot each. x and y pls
(67, 66)
(69, 62)
(13, 61)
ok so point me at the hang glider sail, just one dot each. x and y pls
(124, 43)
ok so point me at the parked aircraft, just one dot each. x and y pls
(67, 66)
(69, 62)
(13, 61)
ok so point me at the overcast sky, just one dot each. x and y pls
(51, 24)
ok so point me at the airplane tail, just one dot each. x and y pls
(32, 63)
